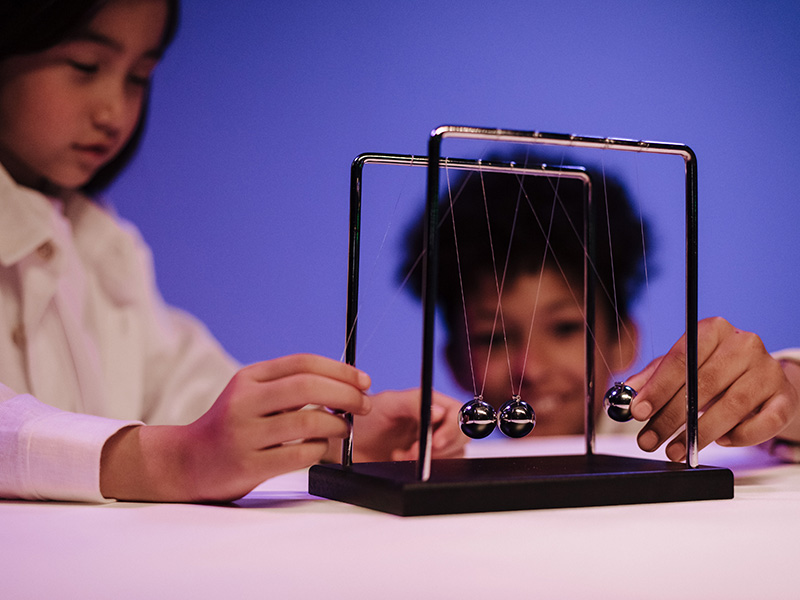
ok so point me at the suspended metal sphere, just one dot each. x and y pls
(516, 418)
(477, 418)
(617, 402)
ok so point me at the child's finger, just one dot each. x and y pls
(638, 380)
(261, 398)
(298, 426)
(296, 364)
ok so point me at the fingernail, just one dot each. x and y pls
(364, 380)
(725, 440)
(633, 382)
(648, 441)
(676, 452)
(641, 410)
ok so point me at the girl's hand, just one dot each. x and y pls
(391, 430)
(255, 430)
(743, 393)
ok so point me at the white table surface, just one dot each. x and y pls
(281, 542)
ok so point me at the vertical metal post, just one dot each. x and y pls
(429, 296)
(356, 191)
(559, 139)
(589, 281)
(354, 256)
(692, 449)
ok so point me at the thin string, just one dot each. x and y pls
(521, 179)
(611, 259)
(639, 196)
(498, 289)
(605, 291)
(541, 274)
(502, 287)
(500, 283)
(549, 249)
(452, 200)
(371, 276)
(461, 287)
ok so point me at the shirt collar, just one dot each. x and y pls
(25, 224)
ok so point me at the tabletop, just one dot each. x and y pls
(281, 542)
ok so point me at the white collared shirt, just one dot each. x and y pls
(87, 344)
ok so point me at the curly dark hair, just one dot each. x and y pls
(541, 204)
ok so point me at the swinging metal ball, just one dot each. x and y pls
(617, 402)
(516, 418)
(477, 418)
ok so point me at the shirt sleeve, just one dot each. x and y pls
(792, 354)
(785, 450)
(50, 454)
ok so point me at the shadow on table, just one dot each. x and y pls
(282, 499)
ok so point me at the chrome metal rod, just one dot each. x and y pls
(430, 266)
(561, 139)
(589, 299)
(558, 139)
(356, 190)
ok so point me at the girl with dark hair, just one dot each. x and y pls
(89, 351)
(36, 25)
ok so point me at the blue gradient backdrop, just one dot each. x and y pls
(260, 106)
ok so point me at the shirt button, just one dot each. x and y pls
(18, 336)
(46, 251)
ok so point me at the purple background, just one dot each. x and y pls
(259, 108)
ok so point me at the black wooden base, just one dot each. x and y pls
(517, 483)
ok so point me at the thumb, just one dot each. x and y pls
(638, 380)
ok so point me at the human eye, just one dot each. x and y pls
(139, 80)
(141, 74)
(84, 67)
(484, 338)
(78, 54)
(565, 328)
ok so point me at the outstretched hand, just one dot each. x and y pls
(743, 393)
(266, 422)
(391, 430)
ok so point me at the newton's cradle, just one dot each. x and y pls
(445, 486)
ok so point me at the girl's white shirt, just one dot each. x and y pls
(87, 344)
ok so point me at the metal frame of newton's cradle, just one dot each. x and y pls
(446, 486)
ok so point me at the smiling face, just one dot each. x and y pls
(68, 110)
(542, 318)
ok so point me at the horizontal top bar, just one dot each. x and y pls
(566, 171)
(561, 139)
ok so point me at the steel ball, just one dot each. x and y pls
(516, 418)
(477, 419)
(617, 402)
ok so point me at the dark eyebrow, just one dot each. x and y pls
(87, 35)
(556, 306)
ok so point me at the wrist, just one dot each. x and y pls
(145, 463)
(791, 433)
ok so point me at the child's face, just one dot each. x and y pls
(68, 110)
(552, 377)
